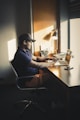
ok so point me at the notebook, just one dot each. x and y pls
(61, 63)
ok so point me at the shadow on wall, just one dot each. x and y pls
(9, 77)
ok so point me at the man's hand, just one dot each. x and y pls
(52, 58)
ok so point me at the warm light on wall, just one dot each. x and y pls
(42, 43)
(11, 48)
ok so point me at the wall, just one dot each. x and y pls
(74, 17)
(44, 14)
(69, 9)
(63, 25)
(14, 20)
(74, 9)
(44, 21)
(75, 38)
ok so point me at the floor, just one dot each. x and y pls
(9, 95)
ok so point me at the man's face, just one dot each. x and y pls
(27, 44)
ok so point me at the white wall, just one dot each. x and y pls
(75, 37)
(14, 20)
(7, 32)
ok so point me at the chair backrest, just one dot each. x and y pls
(12, 65)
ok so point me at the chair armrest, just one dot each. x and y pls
(21, 81)
(25, 77)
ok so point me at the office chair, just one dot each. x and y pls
(27, 102)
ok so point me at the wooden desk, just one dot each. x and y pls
(71, 82)
(70, 87)
(71, 78)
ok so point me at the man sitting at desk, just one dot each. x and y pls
(26, 64)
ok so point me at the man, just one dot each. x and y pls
(27, 65)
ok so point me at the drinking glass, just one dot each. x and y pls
(44, 53)
(68, 58)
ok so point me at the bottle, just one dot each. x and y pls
(68, 55)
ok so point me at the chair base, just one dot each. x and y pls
(27, 104)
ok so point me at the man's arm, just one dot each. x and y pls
(40, 64)
(43, 59)
(40, 59)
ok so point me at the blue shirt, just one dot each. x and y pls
(21, 62)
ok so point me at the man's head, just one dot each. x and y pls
(25, 40)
